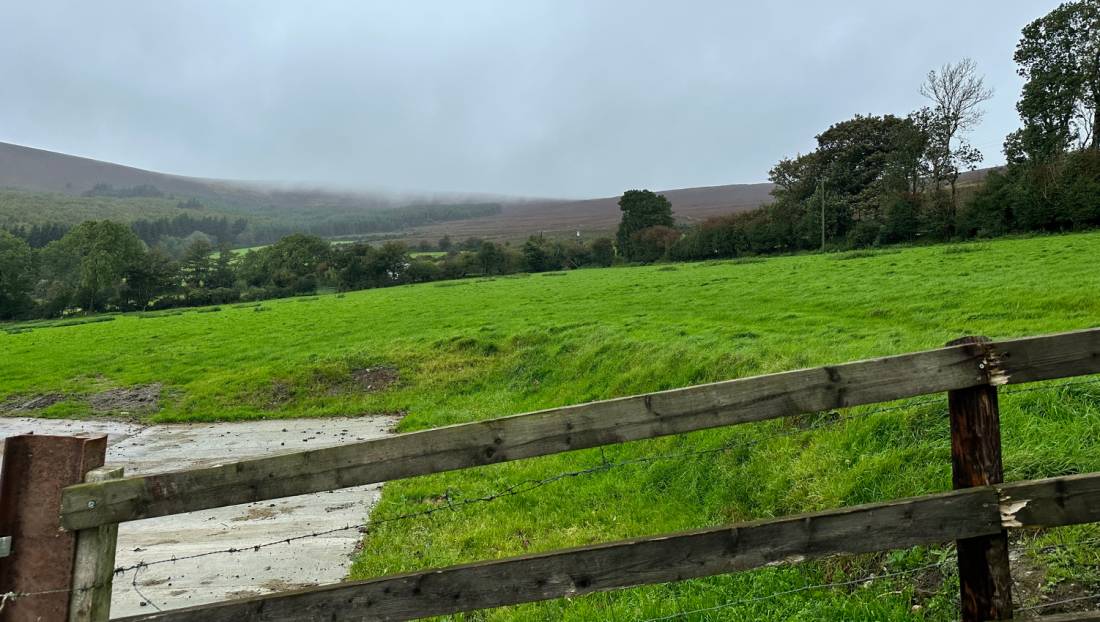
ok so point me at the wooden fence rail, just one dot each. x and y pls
(976, 516)
(587, 425)
(917, 521)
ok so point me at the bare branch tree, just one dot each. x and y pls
(957, 92)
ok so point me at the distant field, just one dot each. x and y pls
(465, 350)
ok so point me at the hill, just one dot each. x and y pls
(519, 219)
(30, 170)
(27, 168)
(325, 210)
(467, 350)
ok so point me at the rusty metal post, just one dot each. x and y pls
(985, 580)
(39, 571)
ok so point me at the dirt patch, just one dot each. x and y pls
(927, 585)
(27, 403)
(1031, 586)
(139, 399)
(373, 379)
(366, 380)
(136, 400)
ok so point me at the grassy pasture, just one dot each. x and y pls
(474, 349)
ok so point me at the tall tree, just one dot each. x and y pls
(198, 263)
(148, 279)
(16, 276)
(91, 262)
(641, 209)
(491, 258)
(858, 165)
(1059, 56)
(221, 273)
(957, 93)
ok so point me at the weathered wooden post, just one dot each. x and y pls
(985, 581)
(94, 563)
(39, 571)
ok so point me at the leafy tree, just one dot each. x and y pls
(198, 264)
(293, 265)
(603, 252)
(91, 261)
(541, 255)
(535, 255)
(1059, 57)
(858, 165)
(572, 254)
(445, 243)
(491, 258)
(16, 276)
(901, 219)
(390, 263)
(37, 236)
(641, 209)
(144, 281)
(653, 243)
(221, 273)
(471, 244)
(421, 271)
(1053, 173)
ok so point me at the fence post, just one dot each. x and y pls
(94, 564)
(985, 581)
(35, 580)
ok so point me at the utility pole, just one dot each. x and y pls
(822, 182)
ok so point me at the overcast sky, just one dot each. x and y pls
(539, 98)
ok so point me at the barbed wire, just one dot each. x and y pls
(137, 590)
(452, 505)
(1048, 387)
(12, 596)
(804, 588)
(529, 485)
(941, 565)
(1056, 603)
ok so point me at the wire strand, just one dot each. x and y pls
(805, 588)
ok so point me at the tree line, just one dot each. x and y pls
(886, 179)
(101, 266)
(174, 234)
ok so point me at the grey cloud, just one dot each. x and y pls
(548, 98)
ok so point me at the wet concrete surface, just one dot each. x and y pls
(304, 562)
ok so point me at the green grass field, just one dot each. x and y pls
(475, 349)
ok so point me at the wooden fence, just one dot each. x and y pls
(81, 538)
